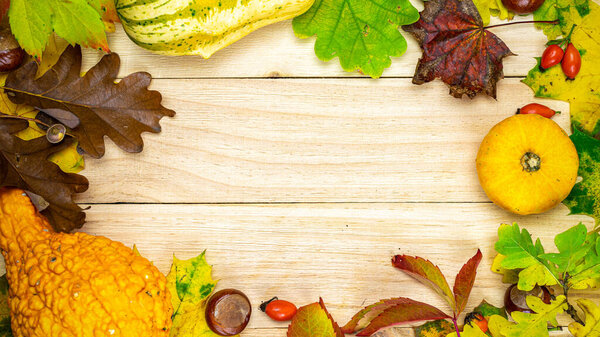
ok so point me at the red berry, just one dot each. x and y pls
(552, 56)
(537, 109)
(279, 310)
(571, 63)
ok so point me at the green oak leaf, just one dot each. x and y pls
(529, 324)
(585, 196)
(521, 253)
(363, 34)
(572, 246)
(77, 21)
(586, 273)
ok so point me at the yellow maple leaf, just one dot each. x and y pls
(583, 93)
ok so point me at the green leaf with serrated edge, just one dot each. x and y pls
(585, 196)
(488, 8)
(363, 34)
(565, 11)
(487, 310)
(78, 23)
(470, 331)
(437, 328)
(5, 329)
(190, 284)
(314, 320)
(592, 320)
(427, 273)
(582, 93)
(529, 324)
(586, 274)
(522, 253)
(31, 24)
(572, 246)
(509, 276)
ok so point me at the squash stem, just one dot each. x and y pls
(456, 326)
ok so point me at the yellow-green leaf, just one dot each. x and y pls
(470, 331)
(592, 320)
(529, 324)
(488, 8)
(583, 93)
(438, 328)
(55, 47)
(190, 283)
(509, 276)
(313, 320)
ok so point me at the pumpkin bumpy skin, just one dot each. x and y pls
(76, 284)
(527, 164)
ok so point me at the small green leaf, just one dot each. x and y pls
(30, 22)
(585, 196)
(488, 310)
(363, 34)
(78, 22)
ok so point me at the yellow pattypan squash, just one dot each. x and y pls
(527, 164)
(200, 27)
(76, 284)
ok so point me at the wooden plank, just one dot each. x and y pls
(393, 332)
(340, 252)
(308, 140)
(274, 51)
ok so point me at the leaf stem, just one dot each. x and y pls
(35, 120)
(520, 22)
(570, 309)
(456, 326)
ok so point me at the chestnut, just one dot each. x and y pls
(516, 299)
(522, 6)
(228, 312)
(11, 55)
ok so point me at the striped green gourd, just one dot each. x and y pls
(200, 27)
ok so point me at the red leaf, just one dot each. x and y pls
(4, 6)
(391, 312)
(457, 49)
(427, 273)
(464, 282)
(314, 320)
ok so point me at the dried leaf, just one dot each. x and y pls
(592, 320)
(427, 273)
(526, 324)
(457, 49)
(464, 282)
(362, 33)
(391, 312)
(122, 111)
(24, 164)
(190, 284)
(314, 320)
(585, 196)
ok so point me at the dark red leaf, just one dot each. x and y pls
(457, 49)
(464, 282)
(24, 164)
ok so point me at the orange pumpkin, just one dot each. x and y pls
(527, 164)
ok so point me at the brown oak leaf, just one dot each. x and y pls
(457, 48)
(24, 164)
(122, 111)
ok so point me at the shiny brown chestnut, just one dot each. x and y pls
(523, 6)
(516, 299)
(228, 312)
(11, 55)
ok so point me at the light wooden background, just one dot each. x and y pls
(301, 180)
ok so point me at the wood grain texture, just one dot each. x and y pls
(274, 51)
(340, 252)
(308, 140)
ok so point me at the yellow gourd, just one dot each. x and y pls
(76, 284)
(527, 164)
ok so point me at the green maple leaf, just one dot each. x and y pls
(364, 34)
(529, 324)
(521, 253)
(585, 196)
(77, 21)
